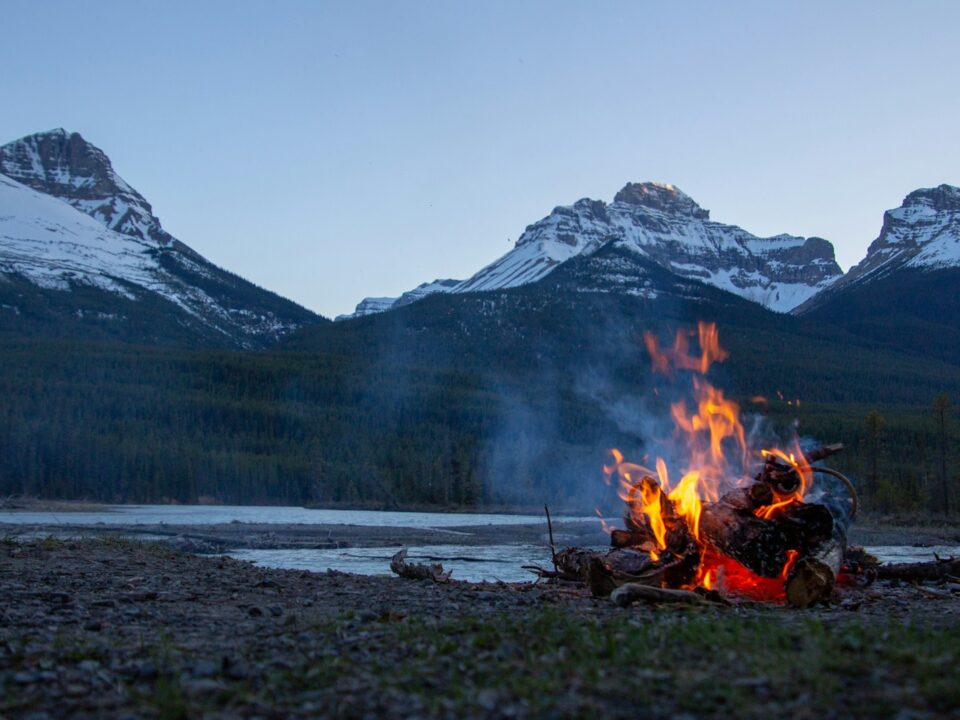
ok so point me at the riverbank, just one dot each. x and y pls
(220, 537)
(114, 628)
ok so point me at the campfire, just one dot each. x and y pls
(733, 519)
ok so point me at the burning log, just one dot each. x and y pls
(417, 571)
(783, 477)
(732, 526)
(610, 570)
(631, 538)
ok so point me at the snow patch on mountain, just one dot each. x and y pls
(56, 246)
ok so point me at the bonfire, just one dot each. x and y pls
(733, 519)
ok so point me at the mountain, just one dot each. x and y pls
(661, 223)
(81, 250)
(905, 294)
(373, 305)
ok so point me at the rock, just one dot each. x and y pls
(235, 669)
(203, 669)
(488, 699)
(254, 611)
(203, 686)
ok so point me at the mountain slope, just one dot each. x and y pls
(905, 294)
(69, 222)
(664, 225)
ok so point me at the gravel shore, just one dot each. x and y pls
(118, 628)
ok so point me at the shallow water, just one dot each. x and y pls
(486, 563)
(476, 564)
(223, 514)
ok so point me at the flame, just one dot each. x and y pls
(687, 499)
(679, 357)
(800, 467)
(717, 457)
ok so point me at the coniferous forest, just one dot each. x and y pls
(497, 400)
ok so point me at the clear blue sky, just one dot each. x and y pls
(332, 150)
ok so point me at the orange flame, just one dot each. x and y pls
(717, 457)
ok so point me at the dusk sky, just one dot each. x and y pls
(334, 150)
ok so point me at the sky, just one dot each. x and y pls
(333, 150)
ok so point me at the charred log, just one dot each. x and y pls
(632, 538)
(783, 478)
(610, 570)
(761, 544)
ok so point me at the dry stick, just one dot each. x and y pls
(553, 548)
(630, 593)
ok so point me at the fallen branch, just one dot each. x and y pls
(417, 571)
(917, 572)
(626, 595)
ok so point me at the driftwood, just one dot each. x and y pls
(939, 569)
(630, 593)
(417, 571)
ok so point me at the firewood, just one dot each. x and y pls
(813, 577)
(755, 543)
(626, 595)
(938, 569)
(631, 538)
(761, 545)
(572, 563)
(783, 477)
(810, 581)
(614, 568)
(417, 571)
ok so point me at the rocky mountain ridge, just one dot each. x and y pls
(661, 223)
(922, 234)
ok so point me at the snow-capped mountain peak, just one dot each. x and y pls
(67, 166)
(661, 223)
(923, 233)
(69, 222)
